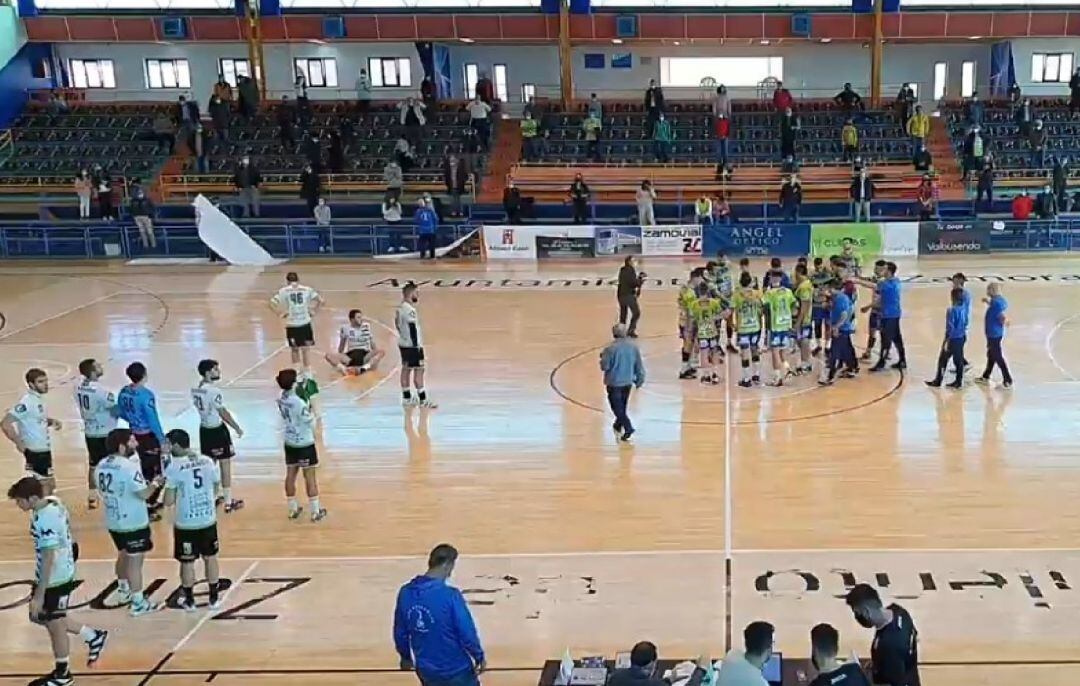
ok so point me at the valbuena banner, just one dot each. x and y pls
(830, 239)
(518, 242)
(946, 238)
(671, 240)
(758, 239)
(562, 247)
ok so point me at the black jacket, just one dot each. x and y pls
(193, 112)
(629, 281)
(457, 184)
(579, 192)
(791, 194)
(862, 189)
(986, 178)
(247, 177)
(1045, 205)
(654, 98)
(922, 160)
(635, 676)
(219, 114)
(309, 185)
(512, 199)
(141, 207)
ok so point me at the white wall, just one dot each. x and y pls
(535, 64)
(1023, 48)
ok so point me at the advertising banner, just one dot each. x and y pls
(947, 238)
(517, 242)
(570, 246)
(673, 240)
(830, 239)
(618, 240)
(901, 239)
(744, 238)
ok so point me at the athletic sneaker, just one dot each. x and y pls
(687, 373)
(120, 596)
(756, 379)
(320, 515)
(825, 382)
(776, 382)
(429, 405)
(745, 383)
(96, 646)
(54, 679)
(189, 606)
(625, 438)
(144, 608)
(295, 514)
(411, 401)
(233, 506)
(955, 386)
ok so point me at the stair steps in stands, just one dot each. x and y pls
(505, 153)
(950, 176)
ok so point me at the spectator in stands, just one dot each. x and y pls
(781, 98)
(186, 116)
(1022, 206)
(591, 130)
(1074, 92)
(411, 116)
(219, 117)
(722, 209)
(857, 165)
(789, 165)
(645, 197)
(199, 149)
(1046, 206)
(703, 210)
(654, 106)
(480, 119)
(1023, 116)
(454, 177)
(141, 210)
(849, 140)
(824, 648)
(862, 194)
(918, 127)
(722, 131)
(663, 135)
(391, 209)
(105, 198)
(427, 226)
(974, 151)
(643, 658)
(485, 90)
(404, 154)
(222, 90)
(247, 180)
(922, 160)
(57, 104)
(164, 132)
(393, 178)
(347, 130)
(248, 97)
(579, 198)
(529, 129)
(322, 213)
(363, 93)
(1060, 176)
(744, 667)
(313, 152)
(790, 125)
(849, 100)
(512, 203)
(1037, 141)
(596, 108)
(905, 100)
(428, 92)
(300, 85)
(721, 103)
(336, 153)
(985, 186)
(286, 121)
(973, 110)
(926, 197)
(530, 108)
(1014, 95)
(791, 198)
(310, 187)
(84, 187)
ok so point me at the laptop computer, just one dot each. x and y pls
(773, 670)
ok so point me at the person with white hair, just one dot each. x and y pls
(623, 368)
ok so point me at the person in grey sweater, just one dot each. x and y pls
(623, 368)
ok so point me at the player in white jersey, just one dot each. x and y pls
(55, 553)
(190, 483)
(299, 438)
(296, 304)
(124, 491)
(97, 406)
(411, 346)
(357, 351)
(27, 425)
(215, 420)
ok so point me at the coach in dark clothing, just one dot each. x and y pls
(579, 198)
(654, 105)
(623, 368)
(642, 669)
(628, 291)
(895, 651)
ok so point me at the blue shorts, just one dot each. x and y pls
(779, 339)
(749, 340)
(804, 333)
(875, 319)
(820, 314)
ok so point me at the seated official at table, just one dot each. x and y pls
(643, 669)
(743, 667)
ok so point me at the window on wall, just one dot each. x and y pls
(168, 74)
(941, 78)
(92, 73)
(1051, 67)
(319, 72)
(229, 69)
(730, 71)
(528, 90)
(471, 72)
(967, 79)
(501, 91)
(390, 72)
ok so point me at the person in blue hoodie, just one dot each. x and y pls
(434, 632)
(427, 224)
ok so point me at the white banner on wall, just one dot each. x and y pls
(900, 239)
(518, 242)
(671, 240)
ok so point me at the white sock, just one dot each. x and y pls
(87, 634)
(123, 585)
(293, 505)
(227, 494)
(137, 598)
(315, 505)
(746, 373)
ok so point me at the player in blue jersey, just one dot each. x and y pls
(138, 407)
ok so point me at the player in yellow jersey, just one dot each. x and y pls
(688, 295)
(780, 304)
(708, 313)
(746, 303)
(821, 279)
(804, 320)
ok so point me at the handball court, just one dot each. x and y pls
(962, 506)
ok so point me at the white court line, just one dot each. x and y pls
(1048, 343)
(210, 613)
(12, 332)
(258, 363)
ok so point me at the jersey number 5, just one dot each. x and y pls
(196, 476)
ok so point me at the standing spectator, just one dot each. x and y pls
(849, 140)
(623, 368)
(1074, 92)
(530, 107)
(985, 187)
(1037, 140)
(199, 149)
(1015, 95)
(434, 631)
(84, 187)
(789, 165)
(703, 210)
(579, 198)
(363, 93)
(645, 197)
(322, 213)
(529, 129)
(905, 99)
(926, 197)
(480, 120)
(455, 176)
(1060, 176)
(790, 125)
(918, 127)
(248, 97)
(1046, 206)
(485, 90)
(591, 127)
(404, 154)
(663, 135)
(973, 110)
(391, 209)
(411, 116)
(105, 198)
(722, 126)
(862, 194)
(393, 178)
(428, 91)
(247, 180)
(512, 203)
(722, 210)
(849, 100)
(744, 667)
(427, 226)
(994, 326)
(286, 121)
(219, 117)
(921, 160)
(164, 132)
(781, 98)
(1024, 115)
(141, 210)
(57, 104)
(313, 152)
(974, 151)
(791, 198)
(596, 108)
(222, 90)
(310, 187)
(347, 131)
(186, 116)
(336, 153)
(654, 105)
(1022, 206)
(721, 104)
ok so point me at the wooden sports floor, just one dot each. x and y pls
(963, 506)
